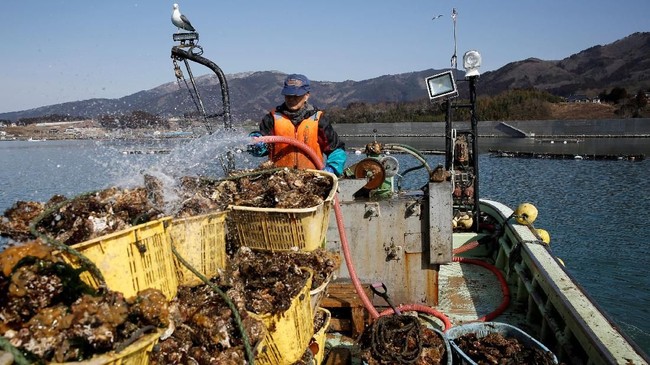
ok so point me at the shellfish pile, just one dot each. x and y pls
(495, 348)
(259, 188)
(51, 315)
(71, 221)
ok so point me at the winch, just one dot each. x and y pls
(378, 169)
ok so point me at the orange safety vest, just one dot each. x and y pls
(286, 155)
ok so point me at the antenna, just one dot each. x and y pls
(454, 58)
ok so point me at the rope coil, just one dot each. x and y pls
(389, 333)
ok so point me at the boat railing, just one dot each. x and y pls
(560, 312)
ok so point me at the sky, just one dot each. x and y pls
(60, 51)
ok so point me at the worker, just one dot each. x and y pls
(297, 119)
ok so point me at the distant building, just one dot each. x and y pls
(578, 98)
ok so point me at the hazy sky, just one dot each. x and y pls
(57, 51)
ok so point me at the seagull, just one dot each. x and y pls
(436, 17)
(181, 20)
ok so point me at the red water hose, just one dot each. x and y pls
(502, 281)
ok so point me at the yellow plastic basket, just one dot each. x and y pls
(201, 241)
(316, 295)
(283, 229)
(320, 336)
(135, 354)
(132, 260)
(289, 332)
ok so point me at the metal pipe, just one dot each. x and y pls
(180, 53)
(474, 121)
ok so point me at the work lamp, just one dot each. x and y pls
(471, 63)
(441, 85)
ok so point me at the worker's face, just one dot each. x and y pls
(294, 102)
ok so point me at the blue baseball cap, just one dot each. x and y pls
(296, 84)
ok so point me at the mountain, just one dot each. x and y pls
(624, 63)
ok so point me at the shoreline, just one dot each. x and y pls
(535, 129)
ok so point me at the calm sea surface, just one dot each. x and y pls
(595, 211)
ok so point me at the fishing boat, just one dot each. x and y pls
(443, 255)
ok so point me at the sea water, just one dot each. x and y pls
(595, 211)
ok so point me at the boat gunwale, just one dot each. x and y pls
(535, 253)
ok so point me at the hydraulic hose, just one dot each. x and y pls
(410, 150)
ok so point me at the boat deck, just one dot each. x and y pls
(468, 292)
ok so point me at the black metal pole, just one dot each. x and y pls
(474, 122)
(448, 141)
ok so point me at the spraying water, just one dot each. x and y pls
(205, 157)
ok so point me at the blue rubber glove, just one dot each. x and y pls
(336, 161)
(329, 169)
(258, 149)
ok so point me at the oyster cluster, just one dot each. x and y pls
(495, 348)
(51, 315)
(265, 282)
(259, 188)
(256, 282)
(71, 221)
(205, 330)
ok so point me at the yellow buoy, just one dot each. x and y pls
(525, 213)
(466, 221)
(561, 262)
(543, 234)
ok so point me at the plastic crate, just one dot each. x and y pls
(320, 337)
(201, 241)
(482, 329)
(135, 354)
(289, 332)
(316, 295)
(283, 229)
(132, 260)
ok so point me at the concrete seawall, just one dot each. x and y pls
(605, 128)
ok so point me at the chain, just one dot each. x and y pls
(179, 76)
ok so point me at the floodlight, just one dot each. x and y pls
(441, 85)
(471, 63)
